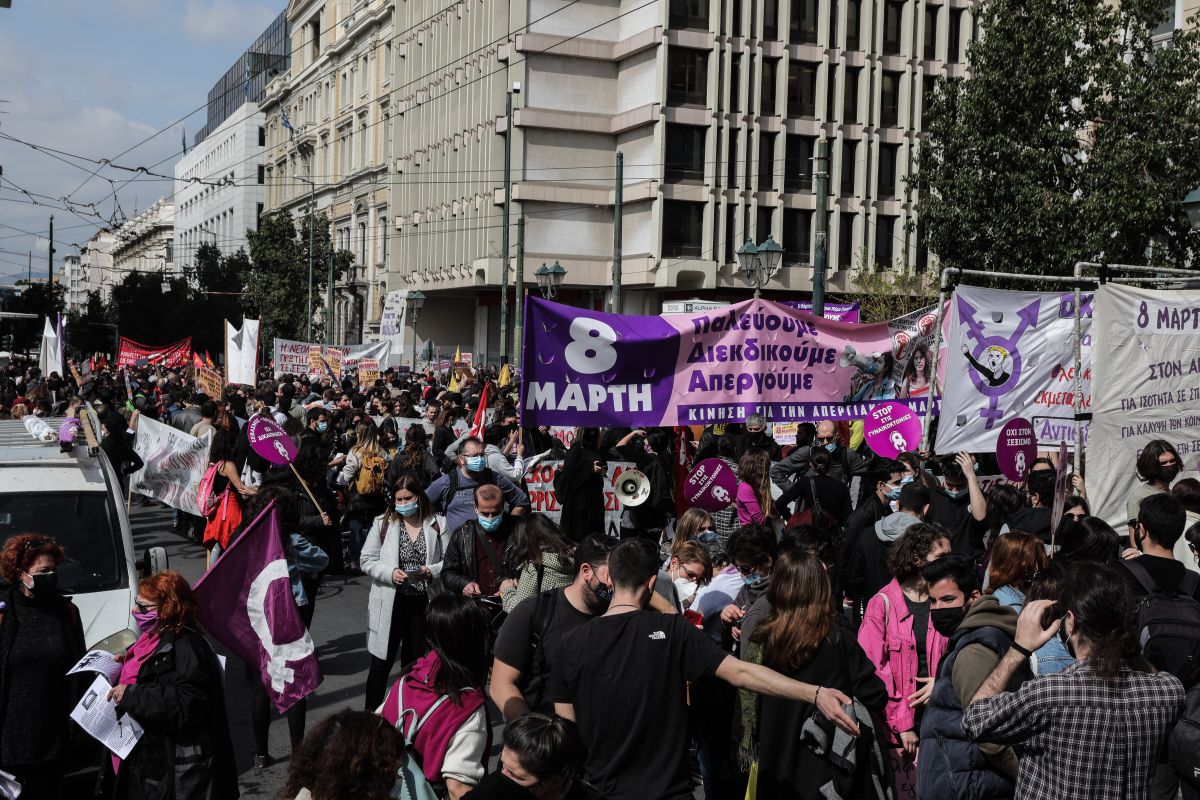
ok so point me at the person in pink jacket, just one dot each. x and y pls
(899, 638)
(753, 500)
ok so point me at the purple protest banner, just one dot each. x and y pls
(891, 429)
(711, 485)
(1016, 448)
(246, 604)
(709, 367)
(269, 441)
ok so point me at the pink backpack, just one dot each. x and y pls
(205, 499)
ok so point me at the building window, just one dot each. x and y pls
(803, 26)
(381, 238)
(762, 227)
(766, 161)
(685, 153)
(314, 39)
(767, 98)
(730, 233)
(928, 87)
(830, 93)
(687, 81)
(888, 156)
(889, 102)
(802, 89)
(849, 166)
(884, 242)
(954, 36)
(735, 82)
(798, 164)
(733, 156)
(893, 16)
(362, 244)
(386, 115)
(258, 212)
(1166, 25)
(262, 136)
(922, 250)
(736, 9)
(931, 13)
(845, 239)
(262, 174)
(853, 23)
(689, 14)
(850, 95)
(833, 20)
(683, 228)
(797, 233)
(770, 19)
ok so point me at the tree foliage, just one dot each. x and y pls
(277, 285)
(90, 330)
(36, 298)
(1075, 138)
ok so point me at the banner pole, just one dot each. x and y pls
(933, 359)
(1078, 369)
(308, 490)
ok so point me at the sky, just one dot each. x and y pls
(94, 78)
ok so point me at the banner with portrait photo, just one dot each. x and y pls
(1147, 387)
(1011, 354)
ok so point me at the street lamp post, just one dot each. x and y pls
(759, 263)
(415, 301)
(550, 278)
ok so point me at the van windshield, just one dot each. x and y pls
(84, 523)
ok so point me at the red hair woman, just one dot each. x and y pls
(41, 637)
(171, 684)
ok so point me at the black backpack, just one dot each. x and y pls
(544, 610)
(1168, 623)
(1183, 748)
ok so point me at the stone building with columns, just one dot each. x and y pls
(336, 96)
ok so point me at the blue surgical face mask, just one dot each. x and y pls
(955, 493)
(753, 579)
(322, 427)
(407, 509)
(831, 446)
(894, 493)
(490, 524)
(476, 463)
(906, 479)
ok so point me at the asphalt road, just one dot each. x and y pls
(339, 630)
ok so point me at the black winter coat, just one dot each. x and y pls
(458, 565)
(186, 752)
(583, 494)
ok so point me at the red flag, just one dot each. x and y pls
(246, 604)
(208, 360)
(197, 361)
(480, 414)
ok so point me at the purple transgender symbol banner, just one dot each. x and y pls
(268, 439)
(712, 366)
(246, 604)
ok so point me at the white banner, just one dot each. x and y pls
(1011, 354)
(241, 353)
(292, 357)
(392, 320)
(174, 464)
(539, 484)
(1147, 387)
(50, 358)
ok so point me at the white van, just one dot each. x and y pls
(76, 498)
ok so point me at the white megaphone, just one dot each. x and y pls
(852, 356)
(633, 488)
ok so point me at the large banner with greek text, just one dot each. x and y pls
(539, 485)
(596, 369)
(1147, 387)
(1012, 354)
(129, 353)
(292, 357)
(174, 462)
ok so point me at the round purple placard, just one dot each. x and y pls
(269, 441)
(891, 429)
(711, 485)
(1016, 448)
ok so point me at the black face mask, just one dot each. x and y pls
(1168, 474)
(44, 584)
(946, 620)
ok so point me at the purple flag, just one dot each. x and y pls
(246, 604)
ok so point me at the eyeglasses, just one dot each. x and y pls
(746, 569)
(691, 575)
(706, 528)
(827, 439)
(144, 607)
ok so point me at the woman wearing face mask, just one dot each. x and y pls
(41, 637)
(403, 557)
(900, 639)
(1158, 466)
(688, 569)
(172, 684)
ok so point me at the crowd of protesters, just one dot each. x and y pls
(848, 627)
